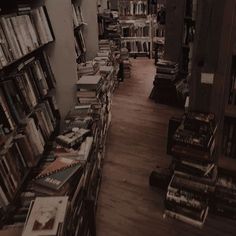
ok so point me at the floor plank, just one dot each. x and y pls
(136, 144)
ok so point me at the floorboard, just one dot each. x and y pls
(136, 144)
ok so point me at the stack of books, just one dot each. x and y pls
(195, 171)
(89, 88)
(87, 68)
(127, 69)
(164, 90)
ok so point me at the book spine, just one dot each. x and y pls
(19, 36)
(16, 46)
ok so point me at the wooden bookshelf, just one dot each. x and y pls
(33, 67)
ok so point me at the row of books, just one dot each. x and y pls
(67, 174)
(136, 46)
(72, 168)
(132, 30)
(229, 135)
(132, 8)
(194, 169)
(21, 34)
(108, 26)
(78, 18)
(23, 91)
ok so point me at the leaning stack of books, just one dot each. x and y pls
(164, 90)
(195, 171)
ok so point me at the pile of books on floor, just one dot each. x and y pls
(224, 198)
(125, 62)
(195, 172)
(127, 69)
(166, 83)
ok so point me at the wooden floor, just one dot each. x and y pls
(136, 144)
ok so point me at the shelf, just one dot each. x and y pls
(230, 111)
(135, 38)
(23, 58)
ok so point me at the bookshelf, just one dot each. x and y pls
(136, 27)
(29, 114)
(79, 24)
(212, 86)
(181, 26)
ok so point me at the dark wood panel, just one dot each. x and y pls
(136, 144)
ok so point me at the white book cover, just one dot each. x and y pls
(5, 45)
(8, 37)
(20, 37)
(46, 215)
(14, 39)
(39, 26)
(32, 32)
(46, 25)
(34, 137)
(24, 31)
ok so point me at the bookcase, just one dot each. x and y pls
(136, 27)
(180, 27)
(30, 117)
(79, 24)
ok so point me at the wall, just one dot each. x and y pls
(62, 53)
(89, 8)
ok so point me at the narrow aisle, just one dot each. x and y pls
(136, 143)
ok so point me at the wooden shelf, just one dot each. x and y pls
(230, 111)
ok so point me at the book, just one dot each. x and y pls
(58, 177)
(89, 82)
(46, 216)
